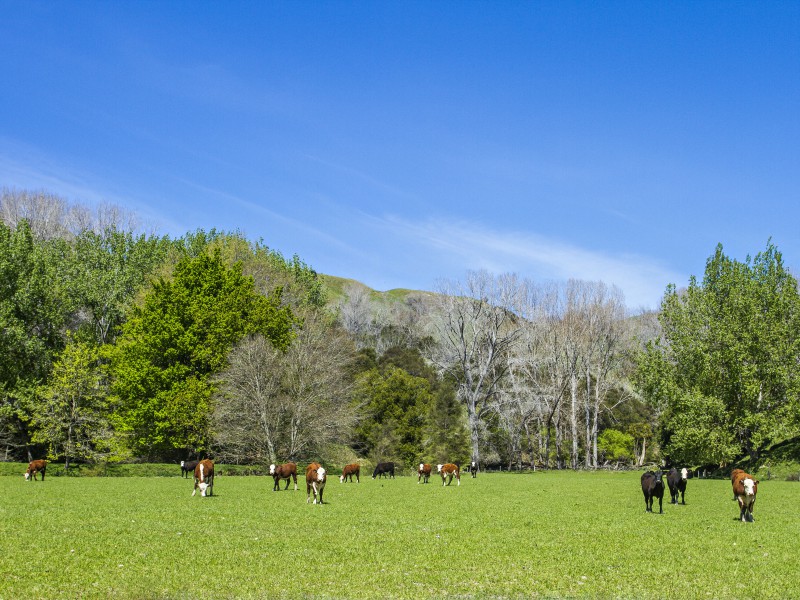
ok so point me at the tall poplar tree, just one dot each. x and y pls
(726, 374)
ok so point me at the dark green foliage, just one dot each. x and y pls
(395, 404)
(176, 340)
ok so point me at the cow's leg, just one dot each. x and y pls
(660, 509)
(294, 476)
(287, 484)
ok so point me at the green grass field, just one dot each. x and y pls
(498, 536)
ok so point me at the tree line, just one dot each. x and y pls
(117, 345)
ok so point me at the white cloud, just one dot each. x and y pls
(642, 279)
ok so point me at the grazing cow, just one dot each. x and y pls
(449, 471)
(204, 478)
(349, 471)
(734, 476)
(424, 472)
(187, 466)
(676, 480)
(473, 468)
(34, 467)
(285, 471)
(386, 469)
(745, 488)
(315, 481)
(653, 487)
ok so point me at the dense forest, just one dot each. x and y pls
(118, 345)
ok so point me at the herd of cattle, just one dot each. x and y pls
(745, 486)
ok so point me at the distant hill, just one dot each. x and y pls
(336, 286)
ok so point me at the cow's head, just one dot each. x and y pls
(183, 463)
(27, 475)
(203, 487)
(321, 474)
(749, 486)
(473, 463)
(684, 473)
(341, 478)
(421, 466)
(439, 468)
(272, 469)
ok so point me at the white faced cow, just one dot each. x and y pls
(204, 478)
(315, 481)
(449, 471)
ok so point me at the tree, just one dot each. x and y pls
(725, 374)
(33, 312)
(72, 418)
(395, 404)
(103, 273)
(278, 405)
(249, 413)
(475, 326)
(176, 340)
(616, 445)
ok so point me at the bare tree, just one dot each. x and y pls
(248, 412)
(51, 216)
(475, 325)
(356, 315)
(605, 314)
(316, 386)
(275, 405)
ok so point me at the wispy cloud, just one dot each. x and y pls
(642, 279)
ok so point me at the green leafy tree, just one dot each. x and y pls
(33, 311)
(72, 417)
(172, 345)
(104, 272)
(725, 375)
(396, 404)
(615, 445)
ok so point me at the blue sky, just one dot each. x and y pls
(400, 143)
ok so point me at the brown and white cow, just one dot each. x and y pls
(745, 488)
(34, 467)
(285, 471)
(424, 472)
(349, 471)
(449, 471)
(315, 481)
(204, 478)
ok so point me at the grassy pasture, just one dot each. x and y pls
(500, 535)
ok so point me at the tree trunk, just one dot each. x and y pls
(573, 392)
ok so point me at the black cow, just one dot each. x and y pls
(386, 468)
(653, 487)
(676, 480)
(187, 466)
(473, 468)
